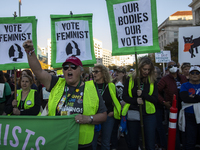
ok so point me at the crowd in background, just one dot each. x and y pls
(155, 95)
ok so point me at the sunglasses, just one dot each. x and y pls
(186, 63)
(96, 71)
(192, 73)
(74, 67)
(171, 66)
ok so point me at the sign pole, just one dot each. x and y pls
(15, 79)
(141, 117)
(163, 68)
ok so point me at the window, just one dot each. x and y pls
(176, 33)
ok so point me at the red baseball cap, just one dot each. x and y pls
(74, 60)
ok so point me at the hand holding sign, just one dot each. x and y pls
(14, 103)
(16, 111)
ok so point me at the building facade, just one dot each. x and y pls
(195, 5)
(49, 52)
(168, 30)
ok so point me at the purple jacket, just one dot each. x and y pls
(167, 87)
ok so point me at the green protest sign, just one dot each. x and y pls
(133, 26)
(13, 33)
(38, 132)
(71, 35)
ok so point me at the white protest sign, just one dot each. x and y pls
(72, 38)
(12, 37)
(134, 24)
(189, 45)
(163, 57)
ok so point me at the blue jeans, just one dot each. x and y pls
(191, 131)
(134, 129)
(161, 137)
(106, 131)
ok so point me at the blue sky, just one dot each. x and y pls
(42, 9)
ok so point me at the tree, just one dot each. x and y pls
(173, 48)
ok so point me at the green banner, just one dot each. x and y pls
(38, 132)
(133, 26)
(13, 33)
(71, 35)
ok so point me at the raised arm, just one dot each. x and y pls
(43, 76)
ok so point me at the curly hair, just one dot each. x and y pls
(105, 72)
(142, 62)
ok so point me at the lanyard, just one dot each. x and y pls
(142, 86)
(67, 98)
(22, 103)
(102, 88)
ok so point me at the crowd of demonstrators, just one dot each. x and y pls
(107, 90)
(27, 101)
(69, 95)
(5, 92)
(147, 97)
(167, 87)
(99, 101)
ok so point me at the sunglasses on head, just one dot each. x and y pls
(171, 66)
(186, 64)
(74, 67)
(192, 73)
(96, 71)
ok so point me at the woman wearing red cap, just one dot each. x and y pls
(69, 95)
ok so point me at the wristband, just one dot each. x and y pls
(30, 52)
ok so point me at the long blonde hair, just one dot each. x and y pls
(105, 72)
(142, 62)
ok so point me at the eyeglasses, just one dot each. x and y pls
(192, 73)
(74, 67)
(96, 71)
(171, 66)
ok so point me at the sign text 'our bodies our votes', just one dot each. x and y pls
(68, 33)
(134, 24)
(13, 32)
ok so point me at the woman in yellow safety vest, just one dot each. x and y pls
(70, 95)
(27, 102)
(107, 90)
(147, 97)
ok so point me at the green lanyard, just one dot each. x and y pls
(102, 88)
(72, 93)
(22, 103)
